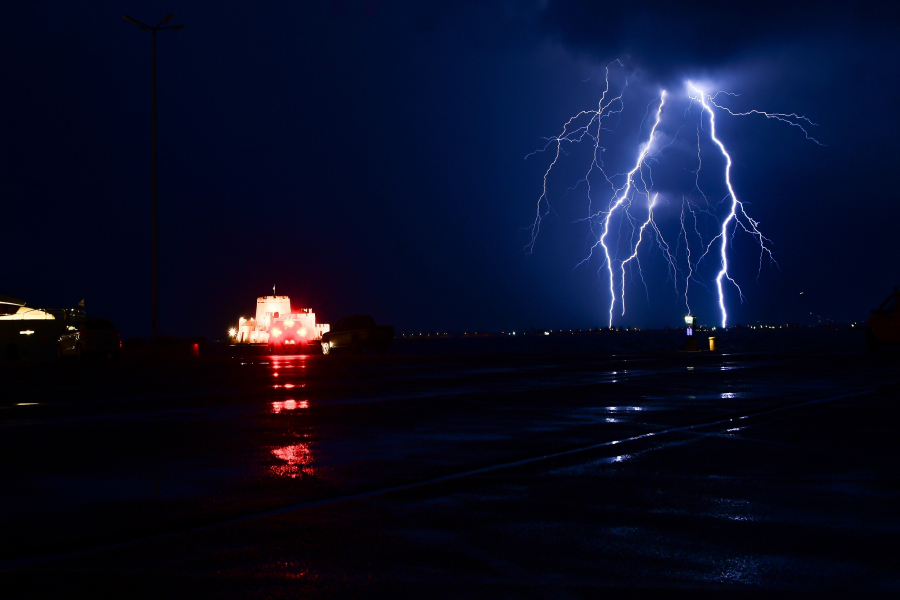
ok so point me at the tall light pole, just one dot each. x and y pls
(159, 27)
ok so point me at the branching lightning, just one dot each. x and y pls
(791, 119)
(635, 191)
(687, 249)
(635, 253)
(621, 195)
(605, 108)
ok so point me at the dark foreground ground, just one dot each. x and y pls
(512, 471)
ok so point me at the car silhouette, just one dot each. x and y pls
(883, 326)
(356, 334)
(91, 337)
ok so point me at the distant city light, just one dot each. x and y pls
(232, 332)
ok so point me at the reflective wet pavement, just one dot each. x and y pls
(540, 474)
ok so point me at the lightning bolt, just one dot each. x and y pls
(687, 249)
(620, 196)
(638, 182)
(734, 214)
(635, 253)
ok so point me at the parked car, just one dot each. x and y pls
(96, 337)
(883, 326)
(356, 334)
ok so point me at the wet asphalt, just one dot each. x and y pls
(517, 472)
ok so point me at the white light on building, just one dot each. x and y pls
(276, 321)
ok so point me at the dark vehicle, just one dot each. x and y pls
(98, 337)
(883, 327)
(357, 334)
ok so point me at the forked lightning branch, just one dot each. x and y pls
(629, 198)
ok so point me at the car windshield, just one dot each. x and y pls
(98, 324)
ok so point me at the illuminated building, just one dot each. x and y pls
(276, 322)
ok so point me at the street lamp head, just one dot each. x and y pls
(145, 27)
(142, 26)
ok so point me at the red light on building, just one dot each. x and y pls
(277, 322)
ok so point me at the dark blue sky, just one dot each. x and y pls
(369, 156)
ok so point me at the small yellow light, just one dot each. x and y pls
(232, 332)
(276, 332)
(289, 323)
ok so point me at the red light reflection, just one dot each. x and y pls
(290, 404)
(297, 459)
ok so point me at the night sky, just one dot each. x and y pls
(368, 156)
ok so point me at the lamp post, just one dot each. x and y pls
(159, 27)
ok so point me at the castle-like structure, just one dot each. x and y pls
(276, 322)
